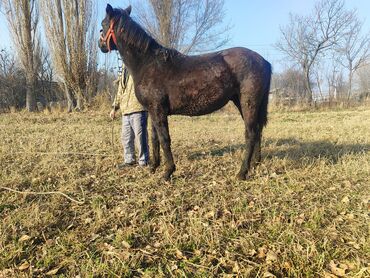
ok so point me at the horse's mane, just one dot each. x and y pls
(136, 36)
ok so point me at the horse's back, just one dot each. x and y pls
(242, 62)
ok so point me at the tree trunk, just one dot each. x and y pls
(350, 77)
(69, 97)
(31, 93)
(79, 99)
(318, 81)
(308, 95)
(79, 104)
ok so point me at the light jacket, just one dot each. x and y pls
(125, 99)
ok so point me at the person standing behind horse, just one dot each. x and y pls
(134, 122)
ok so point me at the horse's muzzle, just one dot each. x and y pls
(103, 46)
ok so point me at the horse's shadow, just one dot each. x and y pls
(229, 149)
(292, 149)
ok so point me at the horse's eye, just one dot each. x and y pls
(101, 31)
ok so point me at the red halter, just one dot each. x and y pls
(110, 35)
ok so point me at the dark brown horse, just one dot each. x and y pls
(168, 82)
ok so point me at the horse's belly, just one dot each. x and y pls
(196, 110)
(195, 103)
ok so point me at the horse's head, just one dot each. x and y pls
(108, 39)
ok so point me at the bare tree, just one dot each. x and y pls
(22, 17)
(364, 82)
(12, 81)
(334, 77)
(305, 38)
(187, 25)
(355, 49)
(318, 77)
(70, 28)
(288, 85)
(7, 63)
(7, 74)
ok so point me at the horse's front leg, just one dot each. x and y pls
(156, 160)
(160, 122)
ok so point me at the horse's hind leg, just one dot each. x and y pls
(256, 158)
(161, 125)
(252, 135)
(257, 148)
(155, 161)
(253, 131)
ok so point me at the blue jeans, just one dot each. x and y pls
(134, 131)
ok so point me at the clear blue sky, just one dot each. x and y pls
(255, 23)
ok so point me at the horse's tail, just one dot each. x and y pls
(262, 113)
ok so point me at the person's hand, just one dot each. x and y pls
(112, 114)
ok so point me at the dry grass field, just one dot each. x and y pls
(304, 212)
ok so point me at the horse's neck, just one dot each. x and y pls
(131, 60)
(135, 59)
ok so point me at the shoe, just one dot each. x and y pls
(143, 164)
(125, 165)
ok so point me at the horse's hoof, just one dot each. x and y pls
(166, 178)
(153, 168)
(168, 172)
(241, 177)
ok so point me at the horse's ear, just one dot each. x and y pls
(128, 10)
(109, 10)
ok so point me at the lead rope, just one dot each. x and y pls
(48, 193)
(112, 142)
(112, 128)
